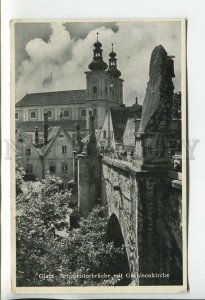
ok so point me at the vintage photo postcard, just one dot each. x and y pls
(98, 134)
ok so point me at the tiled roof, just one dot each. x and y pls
(53, 98)
(29, 126)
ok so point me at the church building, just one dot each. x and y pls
(104, 91)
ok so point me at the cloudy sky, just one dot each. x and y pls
(54, 56)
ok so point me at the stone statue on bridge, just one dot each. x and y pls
(78, 141)
(92, 144)
(152, 139)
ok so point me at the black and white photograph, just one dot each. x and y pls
(99, 139)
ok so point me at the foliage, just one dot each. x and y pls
(51, 254)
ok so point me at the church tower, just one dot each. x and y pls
(102, 84)
(116, 86)
(104, 87)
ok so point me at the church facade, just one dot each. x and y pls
(104, 90)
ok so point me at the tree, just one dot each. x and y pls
(41, 212)
(45, 244)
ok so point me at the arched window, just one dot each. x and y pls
(49, 114)
(83, 113)
(94, 112)
(33, 115)
(95, 89)
(66, 114)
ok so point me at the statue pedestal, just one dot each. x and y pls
(152, 150)
(89, 182)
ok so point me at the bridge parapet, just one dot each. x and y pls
(147, 204)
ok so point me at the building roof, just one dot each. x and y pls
(53, 98)
(120, 117)
(29, 126)
(52, 134)
(119, 121)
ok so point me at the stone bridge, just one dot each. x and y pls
(142, 197)
(144, 214)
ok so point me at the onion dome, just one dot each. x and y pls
(113, 65)
(97, 64)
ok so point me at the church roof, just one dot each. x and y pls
(29, 126)
(53, 98)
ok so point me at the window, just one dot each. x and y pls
(29, 169)
(61, 135)
(28, 152)
(64, 149)
(66, 114)
(52, 168)
(49, 113)
(16, 115)
(33, 115)
(95, 89)
(64, 167)
(106, 90)
(94, 112)
(83, 113)
(104, 134)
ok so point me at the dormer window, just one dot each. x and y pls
(33, 115)
(95, 89)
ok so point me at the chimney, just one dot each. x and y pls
(36, 136)
(45, 126)
(136, 100)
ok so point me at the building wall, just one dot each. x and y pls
(30, 161)
(107, 87)
(24, 113)
(129, 135)
(106, 137)
(56, 158)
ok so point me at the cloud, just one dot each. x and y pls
(67, 58)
